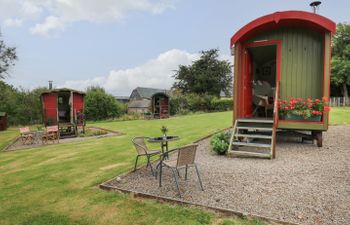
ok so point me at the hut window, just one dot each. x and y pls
(60, 100)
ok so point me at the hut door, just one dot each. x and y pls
(247, 87)
(49, 102)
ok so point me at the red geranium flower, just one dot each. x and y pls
(326, 109)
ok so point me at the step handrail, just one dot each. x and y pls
(275, 120)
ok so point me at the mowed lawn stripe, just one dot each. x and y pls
(57, 184)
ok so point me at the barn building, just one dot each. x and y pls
(150, 101)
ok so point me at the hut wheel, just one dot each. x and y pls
(317, 135)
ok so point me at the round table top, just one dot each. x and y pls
(164, 138)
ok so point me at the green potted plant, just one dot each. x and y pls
(302, 109)
(220, 142)
(164, 130)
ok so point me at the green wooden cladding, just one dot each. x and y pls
(305, 67)
(302, 61)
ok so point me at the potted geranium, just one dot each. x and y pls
(302, 109)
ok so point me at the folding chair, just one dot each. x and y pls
(26, 136)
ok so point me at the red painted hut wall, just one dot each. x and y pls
(164, 107)
(78, 102)
(78, 108)
(3, 122)
(49, 101)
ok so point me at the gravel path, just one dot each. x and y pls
(18, 145)
(304, 184)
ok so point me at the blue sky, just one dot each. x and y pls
(121, 44)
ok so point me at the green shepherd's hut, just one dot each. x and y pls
(281, 80)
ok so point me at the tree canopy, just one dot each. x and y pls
(207, 75)
(341, 58)
(7, 58)
(100, 105)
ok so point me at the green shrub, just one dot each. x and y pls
(131, 116)
(185, 103)
(220, 142)
(100, 105)
(222, 104)
(93, 132)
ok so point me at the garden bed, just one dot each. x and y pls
(90, 133)
(304, 184)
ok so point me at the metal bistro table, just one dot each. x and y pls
(164, 142)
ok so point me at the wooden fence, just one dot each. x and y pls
(339, 101)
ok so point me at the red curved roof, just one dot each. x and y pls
(286, 18)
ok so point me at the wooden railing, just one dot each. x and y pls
(275, 120)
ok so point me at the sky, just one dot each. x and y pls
(123, 44)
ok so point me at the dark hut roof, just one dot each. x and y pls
(62, 90)
(149, 92)
(144, 103)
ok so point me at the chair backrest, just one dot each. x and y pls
(24, 130)
(186, 155)
(52, 129)
(140, 145)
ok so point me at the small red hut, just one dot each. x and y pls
(3, 121)
(63, 107)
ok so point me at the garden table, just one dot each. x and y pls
(164, 142)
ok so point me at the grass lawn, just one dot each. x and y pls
(340, 115)
(7, 136)
(57, 184)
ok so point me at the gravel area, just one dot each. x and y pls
(304, 184)
(18, 145)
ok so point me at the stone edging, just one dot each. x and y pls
(225, 211)
(11, 143)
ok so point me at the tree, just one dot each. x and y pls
(100, 105)
(22, 106)
(341, 58)
(7, 58)
(207, 75)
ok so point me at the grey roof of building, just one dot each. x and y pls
(144, 103)
(149, 92)
(2, 114)
(122, 97)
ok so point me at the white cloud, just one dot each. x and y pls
(156, 73)
(12, 22)
(51, 24)
(49, 15)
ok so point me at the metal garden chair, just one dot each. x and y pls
(185, 158)
(142, 150)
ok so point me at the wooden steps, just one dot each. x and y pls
(255, 135)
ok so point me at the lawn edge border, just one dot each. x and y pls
(225, 211)
(10, 143)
